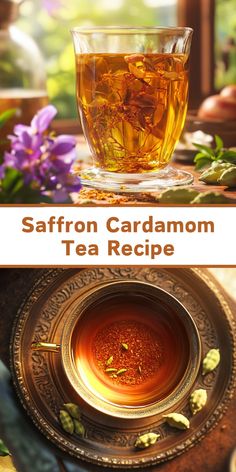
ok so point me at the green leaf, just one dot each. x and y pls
(7, 115)
(202, 163)
(207, 155)
(3, 449)
(28, 195)
(207, 151)
(10, 180)
(219, 155)
(200, 156)
(219, 143)
(229, 156)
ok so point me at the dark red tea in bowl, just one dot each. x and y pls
(132, 346)
(132, 351)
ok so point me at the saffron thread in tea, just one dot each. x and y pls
(156, 358)
(132, 108)
(145, 351)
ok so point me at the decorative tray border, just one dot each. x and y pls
(53, 289)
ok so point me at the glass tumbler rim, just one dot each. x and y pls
(131, 29)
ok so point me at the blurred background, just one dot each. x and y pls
(213, 56)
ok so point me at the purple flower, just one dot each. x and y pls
(45, 161)
(2, 172)
(63, 145)
(43, 118)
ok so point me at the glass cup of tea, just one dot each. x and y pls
(132, 92)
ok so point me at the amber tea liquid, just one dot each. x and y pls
(27, 103)
(129, 351)
(132, 108)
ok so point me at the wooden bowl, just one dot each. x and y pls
(225, 129)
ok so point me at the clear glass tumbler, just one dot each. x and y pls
(132, 91)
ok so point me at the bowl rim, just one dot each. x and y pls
(193, 118)
(178, 393)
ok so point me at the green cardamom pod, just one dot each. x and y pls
(73, 410)
(210, 361)
(79, 428)
(178, 195)
(197, 400)
(228, 177)
(121, 371)
(125, 346)
(219, 163)
(212, 197)
(177, 420)
(66, 422)
(146, 440)
(211, 175)
(109, 360)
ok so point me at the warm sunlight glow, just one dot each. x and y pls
(160, 3)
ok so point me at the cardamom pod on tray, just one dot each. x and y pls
(197, 400)
(177, 420)
(73, 410)
(210, 361)
(66, 422)
(79, 428)
(146, 440)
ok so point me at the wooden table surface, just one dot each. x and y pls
(210, 455)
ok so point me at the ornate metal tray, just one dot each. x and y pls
(42, 386)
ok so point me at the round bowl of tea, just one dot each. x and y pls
(130, 349)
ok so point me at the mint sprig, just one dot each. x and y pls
(3, 449)
(207, 155)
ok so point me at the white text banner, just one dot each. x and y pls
(117, 236)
